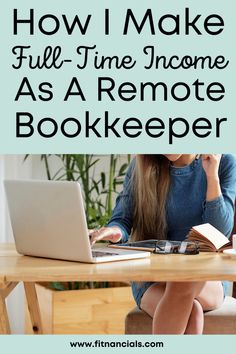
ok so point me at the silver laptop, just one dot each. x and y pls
(48, 220)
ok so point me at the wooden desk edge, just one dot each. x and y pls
(99, 272)
(119, 278)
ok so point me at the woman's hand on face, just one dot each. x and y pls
(210, 164)
(112, 234)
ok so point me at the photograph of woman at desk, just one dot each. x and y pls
(163, 197)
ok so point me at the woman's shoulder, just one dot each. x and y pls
(227, 164)
(131, 167)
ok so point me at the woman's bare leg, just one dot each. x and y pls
(211, 296)
(196, 320)
(152, 297)
(204, 302)
(174, 309)
(149, 303)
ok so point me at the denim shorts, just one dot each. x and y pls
(139, 288)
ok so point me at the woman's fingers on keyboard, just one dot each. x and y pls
(105, 233)
(90, 231)
(96, 235)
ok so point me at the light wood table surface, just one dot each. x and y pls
(15, 268)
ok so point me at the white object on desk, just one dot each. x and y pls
(231, 252)
(234, 242)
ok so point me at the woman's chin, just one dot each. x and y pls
(172, 157)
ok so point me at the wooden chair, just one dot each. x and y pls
(219, 321)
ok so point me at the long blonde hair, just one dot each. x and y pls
(151, 181)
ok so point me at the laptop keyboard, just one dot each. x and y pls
(103, 254)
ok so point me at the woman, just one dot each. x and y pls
(163, 197)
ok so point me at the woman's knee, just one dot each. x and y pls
(211, 296)
(184, 289)
(152, 297)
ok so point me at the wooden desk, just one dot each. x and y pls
(15, 268)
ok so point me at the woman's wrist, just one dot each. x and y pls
(115, 235)
(212, 177)
(213, 187)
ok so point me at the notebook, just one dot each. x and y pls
(209, 238)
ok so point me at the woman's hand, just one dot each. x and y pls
(112, 234)
(210, 164)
